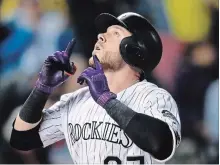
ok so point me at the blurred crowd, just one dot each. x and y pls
(31, 30)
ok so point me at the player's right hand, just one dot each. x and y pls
(56, 70)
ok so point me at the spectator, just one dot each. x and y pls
(195, 75)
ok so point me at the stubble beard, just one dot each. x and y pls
(109, 61)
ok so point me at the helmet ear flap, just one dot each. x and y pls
(131, 52)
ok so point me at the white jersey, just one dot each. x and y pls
(93, 137)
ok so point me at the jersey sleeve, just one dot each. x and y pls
(51, 130)
(160, 104)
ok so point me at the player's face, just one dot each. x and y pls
(107, 48)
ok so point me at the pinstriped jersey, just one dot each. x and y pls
(93, 137)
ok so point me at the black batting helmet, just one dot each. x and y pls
(143, 49)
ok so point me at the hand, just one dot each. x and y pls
(56, 70)
(97, 82)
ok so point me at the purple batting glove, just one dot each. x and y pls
(56, 70)
(97, 82)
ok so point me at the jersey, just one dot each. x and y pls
(93, 137)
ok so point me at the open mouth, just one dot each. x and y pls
(97, 47)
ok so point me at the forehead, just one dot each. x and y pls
(117, 27)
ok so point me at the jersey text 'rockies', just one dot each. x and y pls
(93, 137)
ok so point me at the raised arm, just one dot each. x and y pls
(56, 70)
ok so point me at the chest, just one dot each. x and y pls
(89, 121)
(86, 111)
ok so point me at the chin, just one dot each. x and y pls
(97, 53)
(91, 62)
(93, 52)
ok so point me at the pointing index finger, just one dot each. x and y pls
(98, 66)
(70, 46)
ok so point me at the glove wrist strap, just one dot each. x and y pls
(105, 97)
(43, 88)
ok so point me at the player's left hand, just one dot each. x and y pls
(97, 82)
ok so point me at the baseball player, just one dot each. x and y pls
(119, 117)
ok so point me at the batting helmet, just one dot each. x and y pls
(143, 49)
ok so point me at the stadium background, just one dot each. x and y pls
(30, 30)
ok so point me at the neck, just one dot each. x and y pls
(120, 80)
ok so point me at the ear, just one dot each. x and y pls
(129, 46)
(130, 51)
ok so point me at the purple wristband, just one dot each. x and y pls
(105, 97)
(43, 88)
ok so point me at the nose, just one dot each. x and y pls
(101, 38)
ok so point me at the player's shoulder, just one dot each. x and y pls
(149, 89)
(82, 92)
(157, 96)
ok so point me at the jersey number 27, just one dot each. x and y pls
(129, 158)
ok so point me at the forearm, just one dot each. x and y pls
(25, 135)
(148, 133)
(31, 112)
